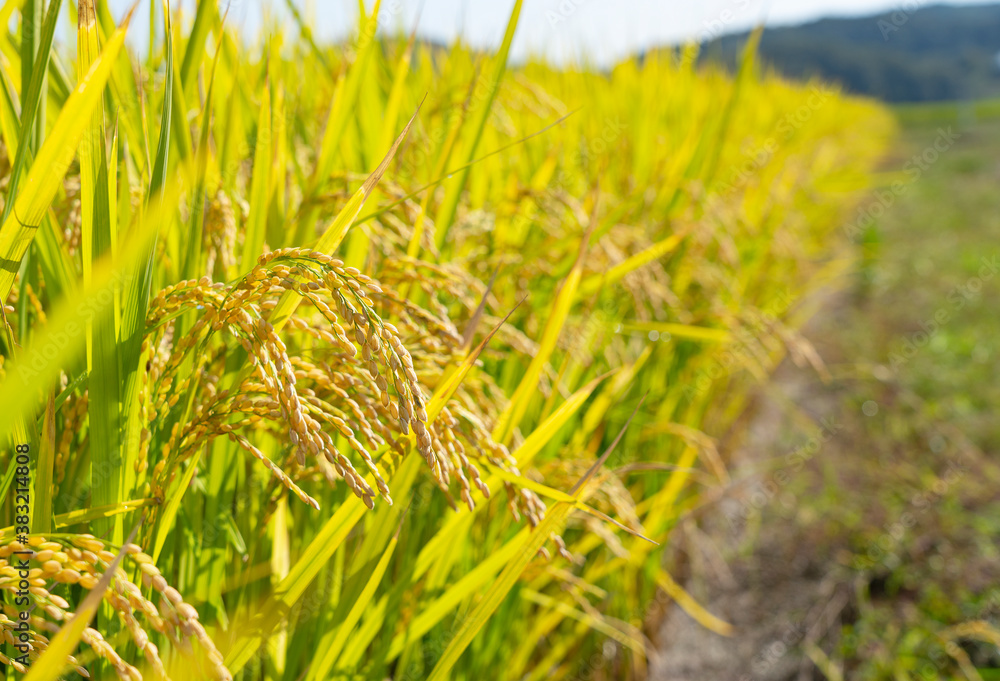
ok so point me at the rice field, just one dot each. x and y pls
(383, 359)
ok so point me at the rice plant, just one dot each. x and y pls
(381, 360)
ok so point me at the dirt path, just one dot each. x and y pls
(754, 566)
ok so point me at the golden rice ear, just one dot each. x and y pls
(345, 299)
(85, 560)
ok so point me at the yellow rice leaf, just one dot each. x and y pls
(332, 649)
(260, 184)
(528, 387)
(528, 483)
(524, 454)
(595, 282)
(491, 82)
(597, 623)
(61, 340)
(691, 606)
(470, 626)
(86, 515)
(553, 520)
(44, 501)
(685, 331)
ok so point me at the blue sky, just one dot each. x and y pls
(595, 31)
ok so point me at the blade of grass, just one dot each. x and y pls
(88, 51)
(97, 237)
(205, 15)
(484, 107)
(194, 266)
(289, 590)
(43, 501)
(470, 626)
(57, 265)
(691, 606)
(135, 301)
(260, 184)
(165, 521)
(126, 96)
(341, 112)
(685, 331)
(84, 516)
(335, 233)
(497, 592)
(596, 282)
(511, 416)
(61, 339)
(51, 163)
(332, 642)
(34, 61)
(39, 49)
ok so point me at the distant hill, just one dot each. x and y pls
(933, 53)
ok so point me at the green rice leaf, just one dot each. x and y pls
(51, 163)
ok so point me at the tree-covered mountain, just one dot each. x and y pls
(933, 53)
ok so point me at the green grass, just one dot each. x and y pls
(915, 115)
(904, 499)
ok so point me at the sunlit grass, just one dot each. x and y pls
(280, 327)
